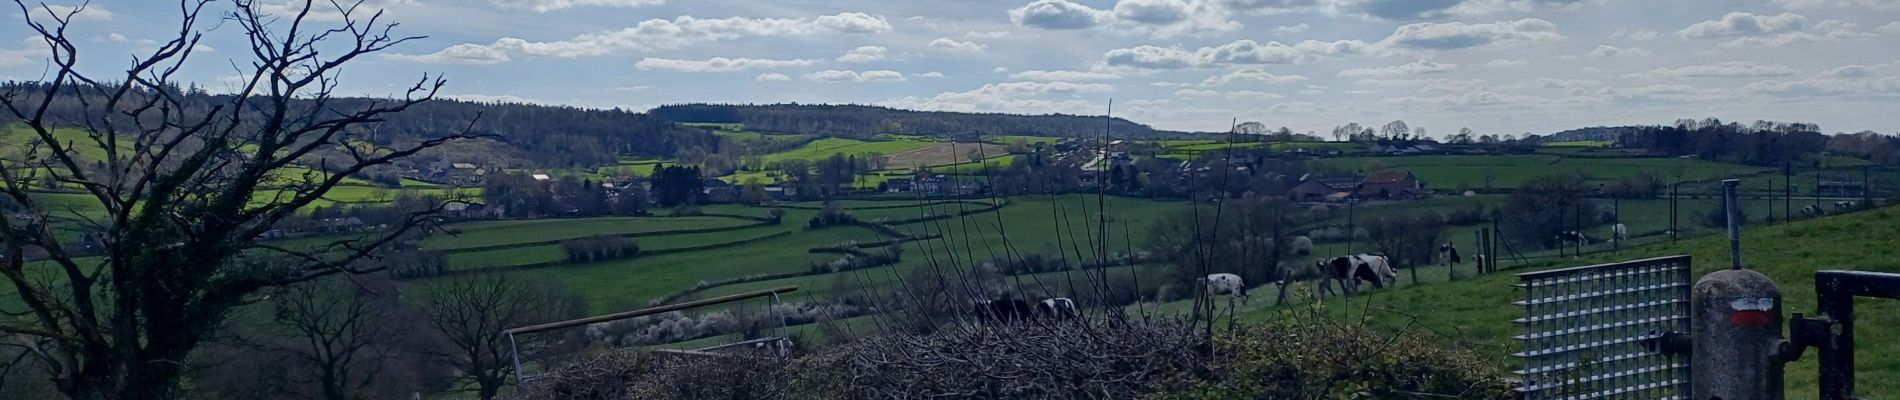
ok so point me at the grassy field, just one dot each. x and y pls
(1477, 312)
(491, 233)
(1580, 143)
(1451, 172)
(822, 148)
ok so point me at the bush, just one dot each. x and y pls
(599, 248)
(1466, 216)
(1295, 359)
(831, 215)
(415, 264)
(775, 216)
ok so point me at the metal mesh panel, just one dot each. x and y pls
(1584, 330)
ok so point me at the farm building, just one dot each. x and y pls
(1391, 185)
(1323, 189)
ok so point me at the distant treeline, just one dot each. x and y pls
(538, 135)
(865, 121)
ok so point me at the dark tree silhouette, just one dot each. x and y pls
(188, 184)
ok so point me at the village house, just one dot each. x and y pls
(1391, 185)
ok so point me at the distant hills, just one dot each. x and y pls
(866, 121)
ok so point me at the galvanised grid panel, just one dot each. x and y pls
(1585, 328)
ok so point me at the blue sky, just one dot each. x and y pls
(1496, 66)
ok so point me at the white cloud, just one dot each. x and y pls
(1013, 97)
(931, 74)
(1861, 4)
(115, 37)
(716, 64)
(1640, 35)
(772, 77)
(1195, 93)
(1459, 35)
(1420, 67)
(92, 12)
(466, 53)
(1059, 14)
(496, 98)
(1826, 31)
(1505, 63)
(1288, 30)
(988, 35)
(1062, 76)
(1249, 75)
(1158, 12)
(863, 54)
(1735, 69)
(551, 5)
(657, 34)
(1745, 24)
(1244, 51)
(1891, 28)
(1608, 51)
(844, 76)
(958, 45)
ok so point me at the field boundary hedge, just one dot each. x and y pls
(643, 253)
(883, 207)
(759, 223)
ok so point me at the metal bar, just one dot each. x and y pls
(649, 311)
(514, 351)
(1734, 210)
(1678, 259)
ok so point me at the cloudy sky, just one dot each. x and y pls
(1496, 66)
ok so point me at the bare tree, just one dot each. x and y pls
(339, 331)
(188, 183)
(1396, 130)
(470, 311)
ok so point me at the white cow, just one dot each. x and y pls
(1058, 307)
(1379, 265)
(1813, 210)
(1620, 232)
(1226, 284)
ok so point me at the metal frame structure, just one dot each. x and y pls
(515, 352)
(1585, 329)
(1833, 330)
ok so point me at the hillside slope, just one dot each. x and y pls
(1477, 312)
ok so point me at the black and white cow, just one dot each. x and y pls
(1226, 284)
(1813, 210)
(1057, 308)
(1348, 271)
(1448, 254)
(1843, 205)
(1011, 310)
(1573, 237)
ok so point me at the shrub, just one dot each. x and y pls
(415, 264)
(831, 215)
(599, 248)
(775, 216)
(1309, 358)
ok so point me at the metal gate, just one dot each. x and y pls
(1585, 330)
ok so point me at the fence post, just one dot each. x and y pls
(1735, 320)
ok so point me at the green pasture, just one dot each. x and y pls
(492, 233)
(1507, 171)
(823, 148)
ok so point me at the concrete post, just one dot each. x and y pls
(1736, 324)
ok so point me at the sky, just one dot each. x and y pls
(1494, 66)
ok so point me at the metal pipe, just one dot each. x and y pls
(1733, 205)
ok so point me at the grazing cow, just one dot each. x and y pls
(1448, 254)
(1813, 210)
(1226, 284)
(1058, 308)
(1843, 205)
(1376, 269)
(1619, 232)
(1336, 269)
(1011, 310)
(1573, 236)
(1350, 270)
